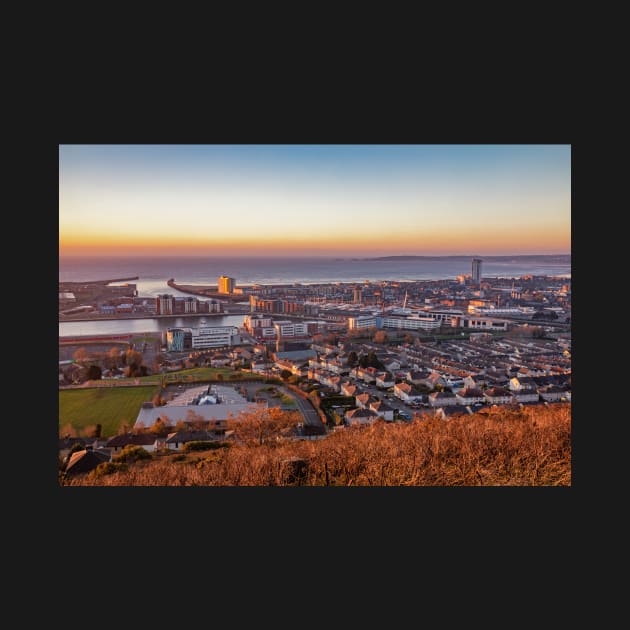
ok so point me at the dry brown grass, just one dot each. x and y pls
(506, 448)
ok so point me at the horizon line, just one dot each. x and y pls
(336, 256)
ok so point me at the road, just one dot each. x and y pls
(311, 417)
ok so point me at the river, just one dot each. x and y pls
(149, 324)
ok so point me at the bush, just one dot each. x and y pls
(107, 468)
(132, 454)
(202, 445)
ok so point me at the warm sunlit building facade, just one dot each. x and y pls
(226, 284)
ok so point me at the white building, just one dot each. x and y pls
(490, 310)
(257, 321)
(410, 323)
(498, 396)
(444, 315)
(442, 399)
(215, 337)
(483, 323)
(361, 322)
(164, 304)
(470, 396)
(526, 396)
(291, 329)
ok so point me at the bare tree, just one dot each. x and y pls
(263, 425)
(67, 430)
(114, 356)
(80, 355)
(195, 420)
(380, 336)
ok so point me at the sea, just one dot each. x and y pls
(153, 273)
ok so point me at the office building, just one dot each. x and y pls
(476, 270)
(214, 337)
(226, 284)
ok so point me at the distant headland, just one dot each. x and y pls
(558, 258)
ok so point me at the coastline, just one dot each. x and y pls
(99, 281)
(106, 318)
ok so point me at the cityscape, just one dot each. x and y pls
(225, 380)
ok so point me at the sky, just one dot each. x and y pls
(236, 200)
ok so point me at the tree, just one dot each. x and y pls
(195, 420)
(137, 428)
(363, 361)
(263, 426)
(124, 428)
(92, 431)
(285, 374)
(80, 355)
(161, 427)
(380, 336)
(372, 361)
(67, 430)
(114, 356)
(94, 373)
(352, 358)
(134, 359)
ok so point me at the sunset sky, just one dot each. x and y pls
(314, 199)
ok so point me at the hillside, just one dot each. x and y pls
(505, 447)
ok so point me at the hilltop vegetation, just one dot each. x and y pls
(504, 447)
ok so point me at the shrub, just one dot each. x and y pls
(502, 447)
(107, 468)
(202, 445)
(132, 454)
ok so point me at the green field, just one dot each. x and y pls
(209, 373)
(152, 378)
(108, 406)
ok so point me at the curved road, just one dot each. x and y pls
(311, 417)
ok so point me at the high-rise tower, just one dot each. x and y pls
(476, 270)
(226, 284)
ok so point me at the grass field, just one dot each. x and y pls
(210, 373)
(193, 374)
(109, 407)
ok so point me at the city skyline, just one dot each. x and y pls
(312, 200)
